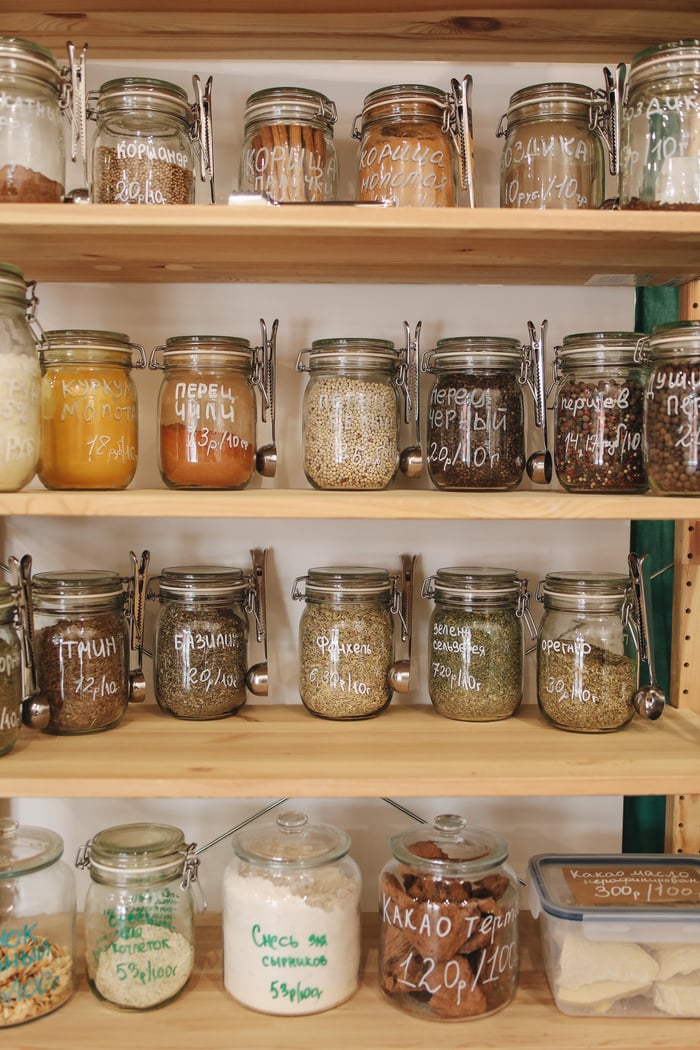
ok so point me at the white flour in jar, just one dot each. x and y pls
(291, 941)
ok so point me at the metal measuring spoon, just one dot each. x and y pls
(539, 464)
(411, 457)
(36, 712)
(649, 700)
(256, 678)
(137, 679)
(266, 455)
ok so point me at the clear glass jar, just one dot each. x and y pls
(139, 915)
(288, 151)
(475, 642)
(81, 648)
(20, 382)
(553, 154)
(291, 918)
(448, 929)
(659, 138)
(89, 410)
(586, 677)
(346, 640)
(32, 149)
(476, 414)
(671, 417)
(351, 413)
(207, 412)
(200, 647)
(143, 150)
(11, 675)
(600, 381)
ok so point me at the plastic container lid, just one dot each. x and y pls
(291, 843)
(25, 849)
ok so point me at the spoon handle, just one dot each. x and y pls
(642, 601)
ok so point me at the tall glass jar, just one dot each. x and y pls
(11, 673)
(346, 640)
(553, 155)
(475, 640)
(291, 919)
(600, 381)
(89, 410)
(289, 152)
(448, 929)
(671, 416)
(81, 647)
(37, 923)
(586, 677)
(476, 414)
(20, 381)
(200, 654)
(207, 411)
(659, 137)
(351, 413)
(139, 921)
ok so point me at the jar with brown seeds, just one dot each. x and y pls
(288, 151)
(671, 413)
(586, 662)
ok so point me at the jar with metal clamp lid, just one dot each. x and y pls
(416, 146)
(147, 137)
(553, 152)
(476, 643)
(289, 152)
(20, 380)
(660, 128)
(671, 422)
(11, 673)
(139, 914)
(599, 384)
(89, 410)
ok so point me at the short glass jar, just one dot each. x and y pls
(553, 151)
(600, 382)
(346, 640)
(476, 414)
(288, 150)
(586, 675)
(139, 915)
(659, 138)
(89, 410)
(11, 673)
(351, 413)
(448, 931)
(20, 381)
(200, 643)
(671, 417)
(37, 923)
(291, 917)
(476, 642)
(81, 648)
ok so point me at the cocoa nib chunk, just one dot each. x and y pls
(491, 886)
(460, 997)
(428, 850)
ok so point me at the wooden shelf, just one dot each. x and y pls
(336, 243)
(464, 31)
(411, 751)
(206, 1017)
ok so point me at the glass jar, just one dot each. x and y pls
(475, 639)
(288, 151)
(346, 640)
(11, 674)
(143, 150)
(671, 417)
(553, 155)
(659, 137)
(81, 645)
(20, 381)
(448, 930)
(586, 677)
(351, 413)
(139, 922)
(200, 647)
(600, 380)
(37, 923)
(291, 917)
(89, 410)
(476, 414)
(207, 411)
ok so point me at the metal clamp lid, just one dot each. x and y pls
(202, 131)
(458, 122)
(73, 100)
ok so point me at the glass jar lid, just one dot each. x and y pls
(577, 589)
(25, 58)
(681, 338)
(597, 348)
(12, 284)
(134, 93)
(8, 603)
(224, 350)
(458, 352)
(185, 583)
(289, 104)
(404, 100)
(135, 850)
(25, 849)
(671, 59)
(64, 591)
(78, 346)
(291, 843)
(560, 99)
(451, 847)
(486, 585)
(353, 353)
(354, 582)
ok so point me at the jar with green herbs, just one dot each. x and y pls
(586, 658)
(10, 672)
(476, 645)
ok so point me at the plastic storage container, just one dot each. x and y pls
(620, 934)
(20, 381)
